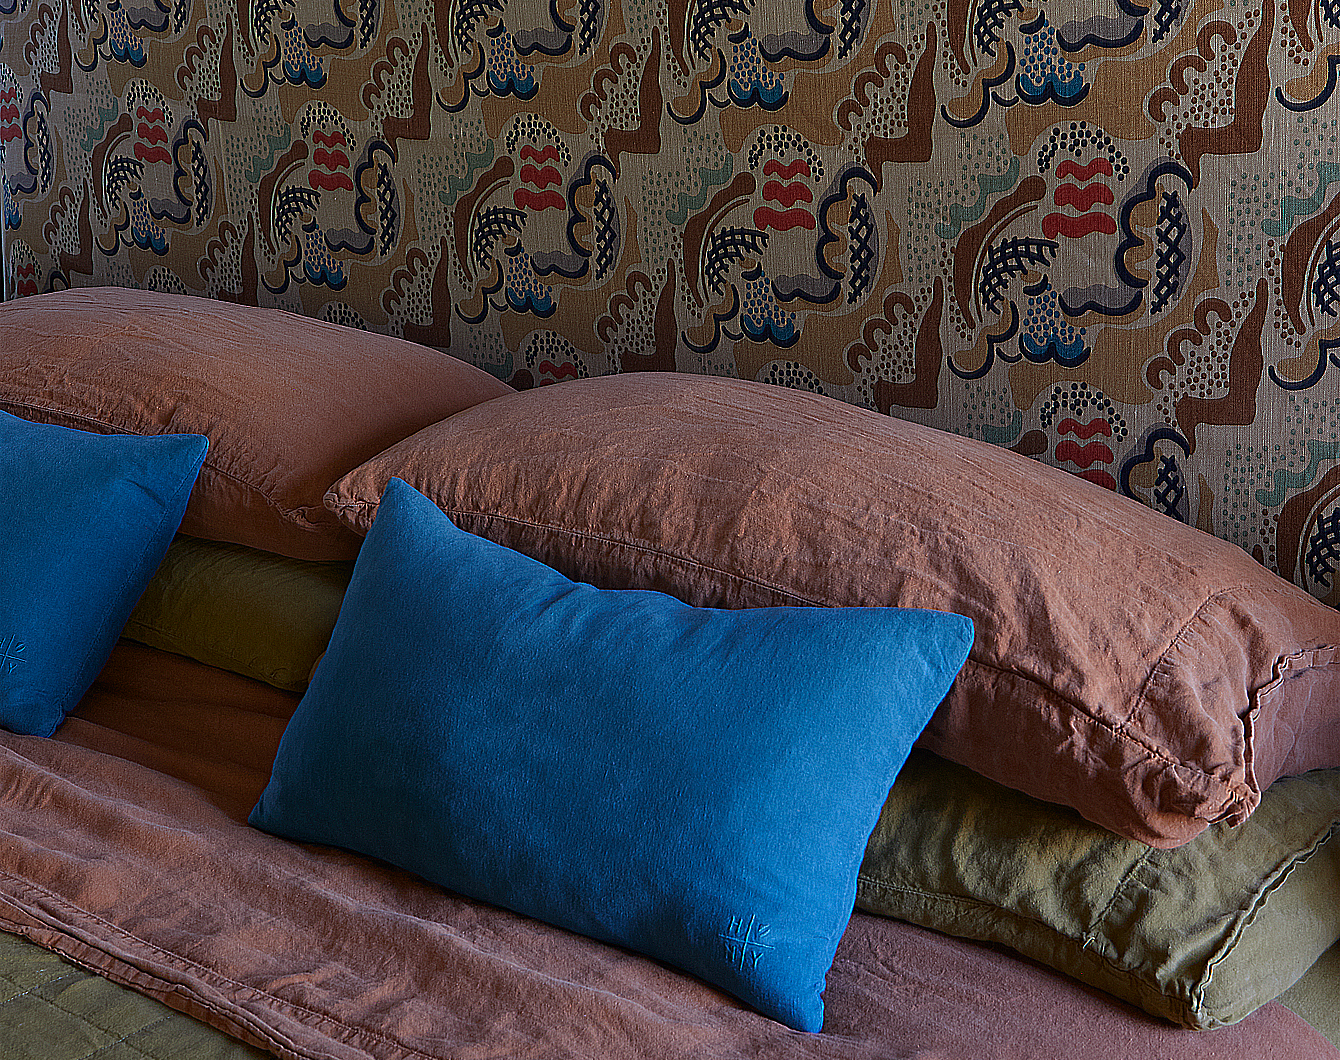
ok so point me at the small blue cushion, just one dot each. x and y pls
(695, 784)
(87, 519)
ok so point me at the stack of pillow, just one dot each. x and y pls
(711, 616)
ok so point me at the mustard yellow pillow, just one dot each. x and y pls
(256, 613)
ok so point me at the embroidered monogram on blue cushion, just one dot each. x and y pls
(744, 943)
(11, 654)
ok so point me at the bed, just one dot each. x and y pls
(451, 720)
(767, 309)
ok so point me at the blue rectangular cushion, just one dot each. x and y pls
(87, 519)
(695, 784)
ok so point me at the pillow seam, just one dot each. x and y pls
(168, 635)
(1127, 971)
(1142, 696)
(1274, 880)
(1127, 880)
(291, 514)
(1248, 782)
(588, 535)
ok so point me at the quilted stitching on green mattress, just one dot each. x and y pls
(52, 1010)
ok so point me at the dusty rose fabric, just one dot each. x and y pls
(1150, 675)
(108, 855)
(289, 403)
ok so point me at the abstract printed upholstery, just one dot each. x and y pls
(1104, 233)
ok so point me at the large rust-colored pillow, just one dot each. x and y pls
(289, 404)
(1149, 675)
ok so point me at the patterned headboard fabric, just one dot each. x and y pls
(1105, 233)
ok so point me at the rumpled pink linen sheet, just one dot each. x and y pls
(123, 845)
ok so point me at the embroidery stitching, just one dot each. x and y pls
(11, 654)
(743, 945)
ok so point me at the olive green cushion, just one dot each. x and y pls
(1202, 934)
(256, 613)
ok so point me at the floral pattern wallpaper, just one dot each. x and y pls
(1104, 233)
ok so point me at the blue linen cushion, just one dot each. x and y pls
(87, 520)
(695, 784)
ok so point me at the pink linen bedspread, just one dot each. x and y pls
(123, 845)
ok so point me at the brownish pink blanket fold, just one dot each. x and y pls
(123, 845)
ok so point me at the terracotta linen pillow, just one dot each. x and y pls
(1202, 935)
(1149, 675)
(288, 403)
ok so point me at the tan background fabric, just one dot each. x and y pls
(1102, 234)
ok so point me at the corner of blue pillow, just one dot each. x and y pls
(90, 517)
